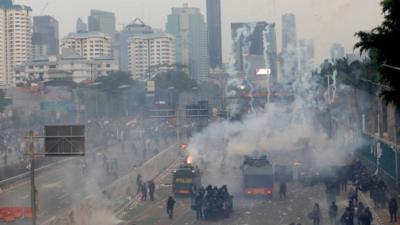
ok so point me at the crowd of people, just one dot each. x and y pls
(356, 212)
(145, 188)
(212, 202)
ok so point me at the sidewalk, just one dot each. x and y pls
(381, 216)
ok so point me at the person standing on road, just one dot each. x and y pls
(152, 187)
(315, 214)
(170, 207)
(347, 217)
(333, 211)
(144, 192)
(282, 190)
(198, 204)
(366, 217)
(139, 183)
(393, 207)
(360, 210)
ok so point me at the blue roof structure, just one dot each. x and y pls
(8, 4)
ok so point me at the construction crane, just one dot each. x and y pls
(44, 8)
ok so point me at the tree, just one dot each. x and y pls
(383, 44)
(111, 84)
(4, 102)
(175, 78)
(118, 93)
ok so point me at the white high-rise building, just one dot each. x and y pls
(15, 39)
(147, 51)
(90, 45)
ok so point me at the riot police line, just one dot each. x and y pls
(212, 203)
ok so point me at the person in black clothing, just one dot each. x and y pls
(144, 192)
(139, 183)
(170, 207)
(360, 210)
(198, 203)
(333, 211)
(282, 191)
(315, 214)
(347, 217)
(366, 217)
(152, 188)
(393, 207)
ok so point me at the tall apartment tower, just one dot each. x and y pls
(214, 32)
(146, 51)
(89, 45)
(45, 36)
(15, 39)
(289, 54)
(307, 53)
(136, 27)
(187, 25)
(101, 21)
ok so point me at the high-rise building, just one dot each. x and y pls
(15, 38)
(147, 51)
(337, 51)
(214, 32)
(89, 45)
(102, 21)
(136, 27)
(307, 54)
(254, 47)
(191, 49)
(39, 45)
(81, 26)
(45, 36)
(289, 53)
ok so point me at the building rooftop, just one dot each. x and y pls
(88, 35)
(137, 25)
(8, 4)
(104, 57)
(157, 34)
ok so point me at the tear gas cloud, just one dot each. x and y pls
(279, 128)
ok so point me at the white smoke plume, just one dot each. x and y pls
(282, 128)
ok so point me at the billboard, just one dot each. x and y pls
(66, 140)
(263, 71)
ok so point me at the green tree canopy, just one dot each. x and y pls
(383, 43)
(115, 82)
(4, 102)
(175, 78)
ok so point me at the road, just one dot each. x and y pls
(246, 211)
(61, 186)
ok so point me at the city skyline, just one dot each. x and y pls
(310, 25)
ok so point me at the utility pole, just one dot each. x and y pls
(178, 123)
(32, 173)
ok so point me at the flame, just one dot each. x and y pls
(296, 163)
(189, 159)
(183, 146)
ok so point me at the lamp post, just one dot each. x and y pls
(96, 97)
(126, 109)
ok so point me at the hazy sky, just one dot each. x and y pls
(325, 21)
